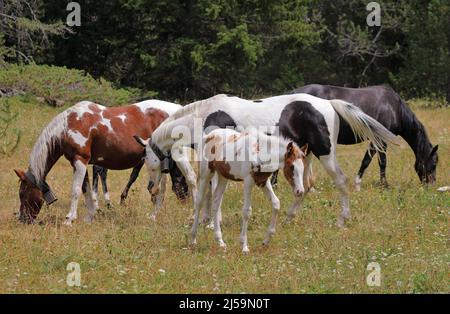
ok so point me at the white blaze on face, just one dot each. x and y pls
(298, 176)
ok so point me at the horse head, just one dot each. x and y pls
(158, 163)
(294, 166)
(426, 166)
(31, 198)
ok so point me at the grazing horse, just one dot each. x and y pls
(302, 118)
(384, 105)
(249, 156)
(87, 133)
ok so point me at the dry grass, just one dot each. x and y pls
(404, 229)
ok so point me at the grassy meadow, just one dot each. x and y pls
(404, 228)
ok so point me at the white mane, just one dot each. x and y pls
(193, 109)
(48, 139)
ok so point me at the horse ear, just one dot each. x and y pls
(433, 151)
(20, 174)
(304, 149)
(141, 141)
(290, 148)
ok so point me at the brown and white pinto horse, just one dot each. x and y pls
(88, 133)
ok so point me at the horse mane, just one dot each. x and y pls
(47, 141)
(192, 108)
(413, 130)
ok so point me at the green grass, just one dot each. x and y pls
(404, 229)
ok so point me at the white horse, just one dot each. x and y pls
(300, 117)
(250, 157)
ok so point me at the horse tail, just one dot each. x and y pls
(364, 126)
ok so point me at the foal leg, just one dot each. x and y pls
(208, 211)
(158, 199)
(275, 208)
(217, 201)
(382, 161)
(79, 167)
(205, 177)
(364, 164)
(133, 176)
(246, 211)
(86, 188)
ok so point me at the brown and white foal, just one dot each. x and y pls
(86, 133)
(252, 157)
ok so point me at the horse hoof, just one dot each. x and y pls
(341, 222)
(357, 188)
(245, 250)
(288, 220)
(67, 222)
(109, 206)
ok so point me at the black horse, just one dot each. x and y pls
(385, 105)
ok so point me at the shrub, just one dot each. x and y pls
(60, 86)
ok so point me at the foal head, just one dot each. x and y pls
(294, 166)
(426, 166)
(31, 199)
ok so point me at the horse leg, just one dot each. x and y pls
(191, 178)
(274, 179)
(246, 211)
(217, 201)
(364, 164)
(205, 178)
(133, 176)
(331, 165)
(78, 177)
(207, 211)
(382, 161)
(158, 199)
(103, 176)
(275, 209)
(95, 174)
(86, 188)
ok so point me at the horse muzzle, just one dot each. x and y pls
(165, 165)
(49, 197)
